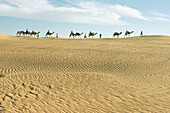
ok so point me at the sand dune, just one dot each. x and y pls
(88, 75)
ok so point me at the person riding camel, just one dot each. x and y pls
(48, 31)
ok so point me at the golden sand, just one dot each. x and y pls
(51, 75)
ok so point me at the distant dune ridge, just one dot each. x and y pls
(100, 75)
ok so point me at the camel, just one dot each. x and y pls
(35, 33)
(127, 33)
(19, 33)
(117, 34)
(72, 34)
(78, 34)
(92, 34)
(27, 33)
(49, 34)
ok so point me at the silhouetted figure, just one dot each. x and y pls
(27, 33)
(100, 35)
(38, 35)
(85, 36)
(27, 30)
(141, 34)
(72, 34)
(57, 35)
(48, 32)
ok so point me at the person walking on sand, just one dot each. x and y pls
(100, 35)
(141, 33)
(57, 35)
(85, 36)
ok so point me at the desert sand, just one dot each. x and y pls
(51, 75)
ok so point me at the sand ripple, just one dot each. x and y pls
(107, 75)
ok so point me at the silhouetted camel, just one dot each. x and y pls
(117, 34)
(19, 33)
(92, 34)
(49, 34)
(78, 34)
(127, 33)
(35, 33)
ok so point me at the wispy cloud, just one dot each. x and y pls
(156, 13)
(160, 19)
(159, 16)
(75, 11)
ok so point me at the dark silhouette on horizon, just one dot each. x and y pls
(49, 33)
(141, 33)
(92, 34)
(127, 33)
(117, 34)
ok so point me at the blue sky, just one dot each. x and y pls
(102, 16)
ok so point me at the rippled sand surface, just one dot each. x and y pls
(51, 75)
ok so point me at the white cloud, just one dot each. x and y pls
(156, 13)
(127, 11)
(157, 16)
(5, 7)
(160, 19)
(77, 12)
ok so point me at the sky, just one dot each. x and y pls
(101, 16)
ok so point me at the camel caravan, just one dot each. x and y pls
(28, 33)
(92, 34)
